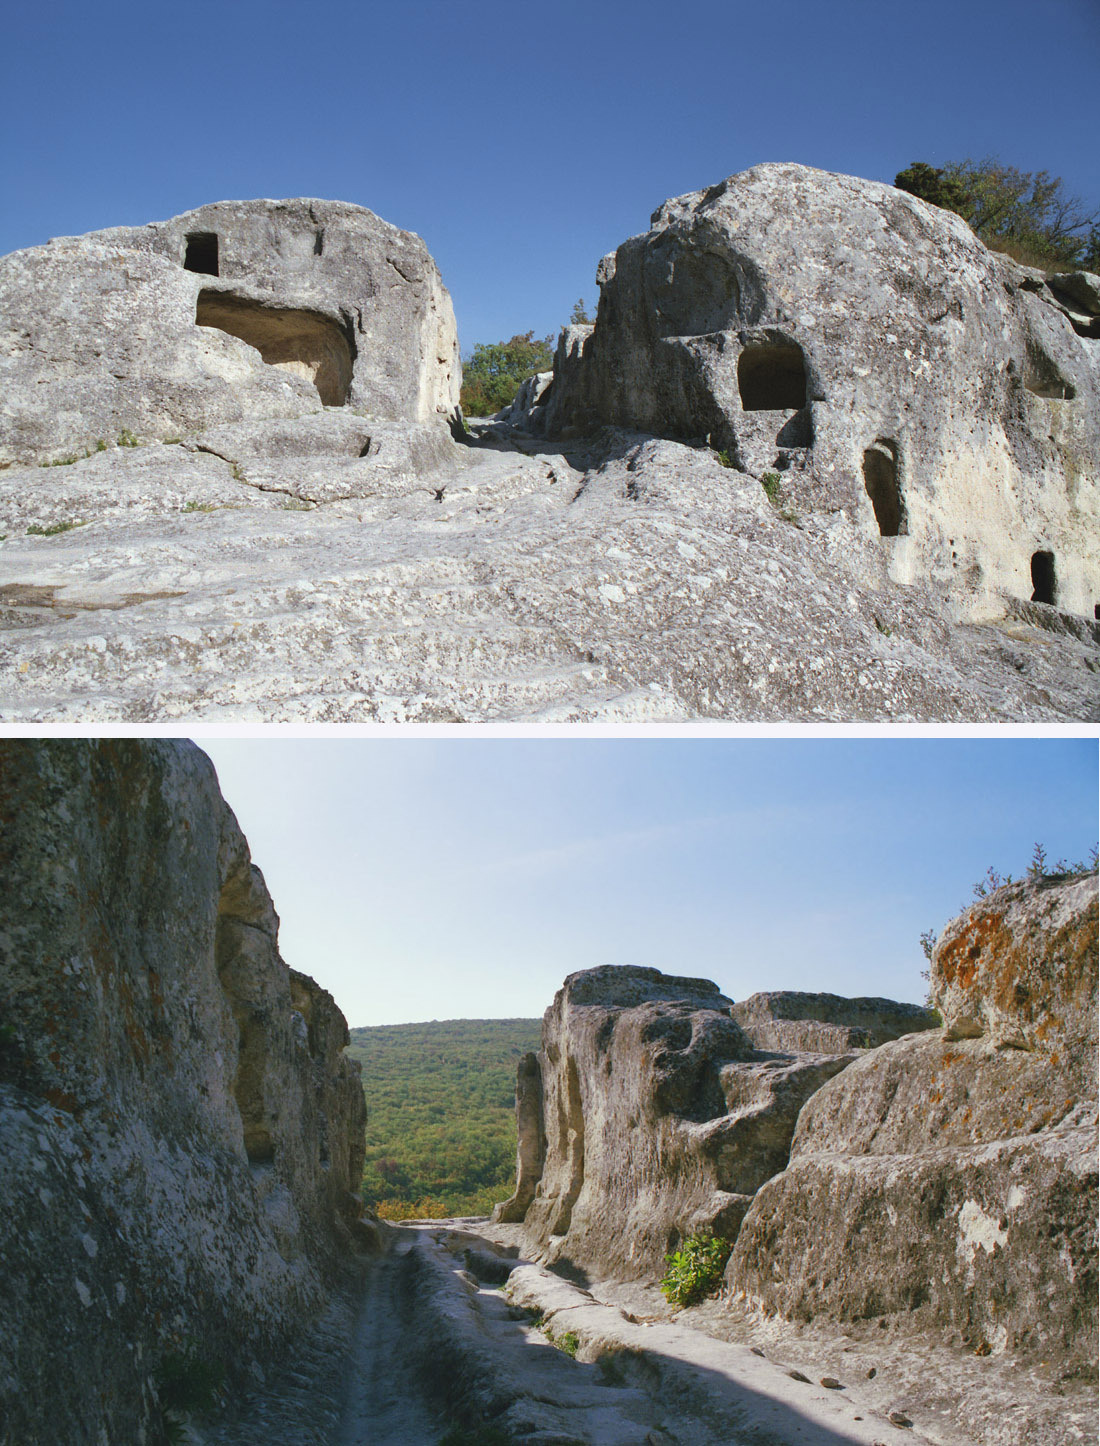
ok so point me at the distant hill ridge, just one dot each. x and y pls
(441, 1134)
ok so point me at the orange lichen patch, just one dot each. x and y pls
(61, 1100)
(958, 961)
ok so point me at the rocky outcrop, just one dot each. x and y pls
(181, 1133)
(947, 1182)
(788, 1019)
(238, 311)
(867, 348)
(659, 1117)
(287, 368)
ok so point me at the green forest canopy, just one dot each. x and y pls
(441, 1133)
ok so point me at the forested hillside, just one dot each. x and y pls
(441, 1134)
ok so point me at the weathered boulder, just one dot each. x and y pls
(241, 310)
(1023, 973)
(788, 1019)
(948, 1184)
(657, 1117)
(868, 347)
(182, 1135)
(528, 407)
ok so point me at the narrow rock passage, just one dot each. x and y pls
(384, 1404)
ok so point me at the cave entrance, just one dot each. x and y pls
(880, 477)
(302, 342)
(1042, 577)
(771, 377)
(201, 253)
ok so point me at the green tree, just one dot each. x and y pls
(579, 315)
(492, 374)
(1029, 215)
(930, 184)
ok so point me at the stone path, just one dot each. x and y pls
(451, 1326)
(385, 1403)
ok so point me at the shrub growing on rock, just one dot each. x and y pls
(695, 1270)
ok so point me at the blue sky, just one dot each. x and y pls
(465, 878)
(521, 141)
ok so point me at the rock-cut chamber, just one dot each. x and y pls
(880, 477)
(302, 342)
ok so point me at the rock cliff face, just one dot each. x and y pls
(658, 1114)
(869, 1167)
(866, 346)
(947, 1181)
(239, 311)
(182, 1136)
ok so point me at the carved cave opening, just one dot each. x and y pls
(771, 377)
(1042, 577)
(880, 477)
(201, 253)
(302, 342)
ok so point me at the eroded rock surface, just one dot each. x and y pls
(658, 1115)
(946, 1182)
(182, 1135)
(793, 1020)
(867, 347)
(277, 574)
(318, 547)
(241, 310)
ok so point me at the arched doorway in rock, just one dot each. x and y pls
(880, 478)
(771, 377)
(1042, 577)
(303, 342)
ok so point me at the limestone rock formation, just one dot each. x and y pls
(300, 537)
(788, 1019)
(658, 1117)
(947, 1182)
(241, 310)
(182, 1135)
(865, 346)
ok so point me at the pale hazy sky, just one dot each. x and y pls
(465, 878)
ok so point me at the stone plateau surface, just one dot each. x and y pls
(274, 573)
(232, 490)
(182, 1135)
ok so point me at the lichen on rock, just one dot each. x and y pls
(947, 1182)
